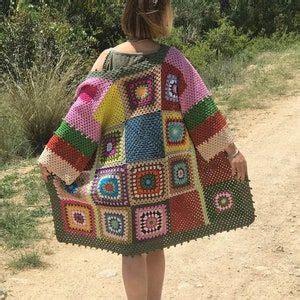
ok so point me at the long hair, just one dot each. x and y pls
(147, 19)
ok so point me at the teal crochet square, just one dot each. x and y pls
(144, 138)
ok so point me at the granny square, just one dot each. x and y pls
(181, 174)
(78, 217)
(144, 138)
(151, 221)
(109, 186)
(116, 224)
(184, 206)
(226, 199)
(147, 182)
(173, 86)
(176, 138)
(141, 92)
(112, 147)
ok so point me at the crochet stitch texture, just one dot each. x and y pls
(138, 162)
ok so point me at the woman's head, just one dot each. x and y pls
(147, 19)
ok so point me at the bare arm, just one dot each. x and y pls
(98, 65)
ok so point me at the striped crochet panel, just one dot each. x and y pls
(73, 144)
(207, 126)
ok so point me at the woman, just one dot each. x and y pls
(143, 21)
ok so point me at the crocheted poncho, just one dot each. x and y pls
(138, 163)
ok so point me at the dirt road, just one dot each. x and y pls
(259, 262)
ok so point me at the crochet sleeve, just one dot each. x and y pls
(206, 124)
(72, 145)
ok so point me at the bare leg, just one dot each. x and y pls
(156, 272)
(135, 276)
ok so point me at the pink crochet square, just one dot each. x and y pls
(80, 114)
(196, 90)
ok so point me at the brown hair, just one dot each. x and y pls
(147, 19)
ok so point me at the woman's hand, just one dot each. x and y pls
(237, 161)
(44, 172)
(239, 166)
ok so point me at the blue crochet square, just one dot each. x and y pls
(144, 138)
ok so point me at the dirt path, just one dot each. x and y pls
(259, 262)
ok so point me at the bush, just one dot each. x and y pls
(225, 40)
(265, 17)
(35, 34)
(274, 42)
(221, 55)
(176, 38)
(196, 17)
(200, 54)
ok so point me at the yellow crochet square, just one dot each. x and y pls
(176, 137)
(111, 110)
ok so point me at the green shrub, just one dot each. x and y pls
(18, 228)
(176, 38)
(99, 18)
(264, 17)
(13, 143)
(31, 260)
(275, 42)
(221, 56)
(225, 71)
(196, 17)
(225, 40)
(199, 54)
(33, 34)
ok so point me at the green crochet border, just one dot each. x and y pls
(239, 221)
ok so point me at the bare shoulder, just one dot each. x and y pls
(98, 65)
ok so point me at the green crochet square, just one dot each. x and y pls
(228, 201)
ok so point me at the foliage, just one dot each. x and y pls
(31, 260)
(253, 17)
(100, 19)
(17, 226)
(196, 17)
(200, 54)
(214, 56)
(225, 40)
(264, 17)
(275, 42)
(35, 34)
(176, 38)
(220, 70)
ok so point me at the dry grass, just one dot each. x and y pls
(33, 102)
(270, 76)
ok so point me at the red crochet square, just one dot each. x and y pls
(186, 212)
(172, 87)
(215, 171)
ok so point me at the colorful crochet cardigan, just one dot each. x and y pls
(138, 162)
